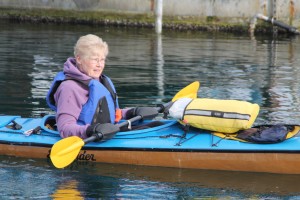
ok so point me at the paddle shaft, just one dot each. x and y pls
(125, 123)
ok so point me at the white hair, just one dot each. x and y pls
(89, 44)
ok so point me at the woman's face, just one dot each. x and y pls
(92, 65)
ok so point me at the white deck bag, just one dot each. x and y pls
(226, 116)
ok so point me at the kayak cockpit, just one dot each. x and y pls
(46, 125)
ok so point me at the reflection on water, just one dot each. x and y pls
(250, 183)
(68, 190)
(35, 178)
(148, 69)
(160, 68)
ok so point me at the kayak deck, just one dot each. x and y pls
(166, 146)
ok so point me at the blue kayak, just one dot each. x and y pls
(166, 145)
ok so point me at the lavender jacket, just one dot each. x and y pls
(70, 98)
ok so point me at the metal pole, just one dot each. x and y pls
(159, 13)
(274, 15)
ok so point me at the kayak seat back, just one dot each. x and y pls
(48, 124)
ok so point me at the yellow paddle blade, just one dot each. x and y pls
(65, 151)
(189, 91)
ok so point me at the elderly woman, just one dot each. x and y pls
(85, 100)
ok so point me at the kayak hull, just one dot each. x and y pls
(271, 162)
(161, 146)
(282, 163)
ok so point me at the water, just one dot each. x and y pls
(34, 179)
(147, 70)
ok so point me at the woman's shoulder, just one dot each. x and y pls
(71, 90)
(72, 85)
